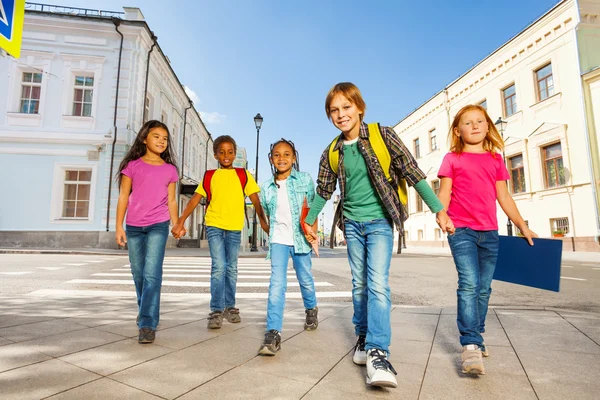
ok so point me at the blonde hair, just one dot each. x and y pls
(349, 91)
(493, 140)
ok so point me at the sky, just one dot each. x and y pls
(280, 58)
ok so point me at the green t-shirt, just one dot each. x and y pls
(362, 203)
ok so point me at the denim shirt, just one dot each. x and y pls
(299, 185)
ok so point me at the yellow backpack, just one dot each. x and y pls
(383, 155)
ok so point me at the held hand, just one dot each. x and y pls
(528, 234)
(264, 225)
(178, 230)
(311, 236)
(121, 237)
(444, 222)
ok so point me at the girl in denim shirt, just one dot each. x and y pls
(282, 198)
(473, 176)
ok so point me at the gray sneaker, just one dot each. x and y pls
(271, 344)
(215, 320)
(312, 322)
(146, 335)
(360, 355)
(472, 363)
(232, 315)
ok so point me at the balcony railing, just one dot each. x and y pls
(51, 8)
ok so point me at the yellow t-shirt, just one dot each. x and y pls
(226, 208)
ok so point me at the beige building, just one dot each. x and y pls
(544, 84)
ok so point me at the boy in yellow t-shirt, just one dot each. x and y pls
(224, 224)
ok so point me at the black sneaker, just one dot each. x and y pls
(360, 355)
(271, 344)
(312, 322)
(146, 335)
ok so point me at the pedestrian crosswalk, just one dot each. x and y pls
(192, 275)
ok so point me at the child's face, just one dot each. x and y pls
(225, 155)
(157, 140)
(472, 128)
(283, 158)
(344, 114)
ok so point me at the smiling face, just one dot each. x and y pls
(225, 155)
(345, 115)
(157, 140)
(472, 129)
(283, 158)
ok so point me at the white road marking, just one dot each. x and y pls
(131, 293)
(17, 273)
(567, 266)
(573, 279)
(253, 271)
(183, 283)
(75, 264)
(51, 268)
(168, 275)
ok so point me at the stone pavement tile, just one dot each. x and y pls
(41, 380)
(93, 319)
(39, 329)
(447, 331)
(504, 379)
(347, 312)
(419, 327)
(416, 309)
(102, 389)
(298, 363)
(409, 352)
(4, 341)
(114, 357)
(254, 330)
(333, 335)
(18, 355)
(449, 310)
(72, 342)
(591, 327)
(401, 316)
(348, 380)
(244, 383)
(576, 314)
(186, 335)
(123, 328)
(561, 374)
(546, 332)
(9, 320)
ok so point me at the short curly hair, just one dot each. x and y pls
(224, 139)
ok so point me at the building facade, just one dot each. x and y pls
(84, 85)
(547, 113)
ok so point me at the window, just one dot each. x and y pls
(417, 148)
(174, 139)
(438, 234)
(418, 203)
(163, 118)
(82, 101)
(76, 198)
(545, 82)
(510, 100)
(553, 165)
(420, 234)
(435, 185)
(517, 174)
(559, 225)
(432, 140)
(31, 87)
(484, 104)
(148, 107)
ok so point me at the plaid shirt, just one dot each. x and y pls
(403, 166)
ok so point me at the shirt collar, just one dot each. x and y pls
(363, 134)
(293, 175)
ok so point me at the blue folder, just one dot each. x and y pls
(537, 266)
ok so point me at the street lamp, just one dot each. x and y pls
(501, 126)
(258, 123)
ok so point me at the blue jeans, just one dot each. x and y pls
(369, 254)
(146, 246)
(280, 254)
(475, 254)
(224, 247)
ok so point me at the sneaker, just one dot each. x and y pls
(232, 315)
(360, 355)
(215, 320)
(312, 322)
(484, 350)
(472, 363)
(146, 335)
(379, 370)
(271, 344)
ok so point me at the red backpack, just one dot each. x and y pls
(242, 175)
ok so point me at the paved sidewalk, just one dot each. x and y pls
(83, 346)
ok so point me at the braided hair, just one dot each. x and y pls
(295, 165)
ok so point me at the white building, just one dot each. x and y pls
(85, 83)
(551, 104)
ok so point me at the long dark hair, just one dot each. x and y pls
(295, 165)
(138, 148)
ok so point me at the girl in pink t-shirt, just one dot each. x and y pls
(147, 178)
(473, 176)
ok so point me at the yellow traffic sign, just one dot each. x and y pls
(12, 13)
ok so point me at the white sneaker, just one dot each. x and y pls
(360, 355)
(379, 370)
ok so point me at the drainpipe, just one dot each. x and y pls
(154, 39)
(117, 22)
(203, 233)
(183, 144)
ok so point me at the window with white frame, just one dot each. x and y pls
(83, 95)
(438, 234)
(417, 148)
(164, 118)
(545, 82)
(433, 140)
(559, 225)
(148, 103)
(31, 88)
(175, 140)
(76, 194)
(420, 234)
(483, 104)
(509, 95)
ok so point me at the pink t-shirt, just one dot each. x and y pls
(473, 198)
(149, 192)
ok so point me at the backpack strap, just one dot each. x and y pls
(208, 175)
(334, 156)
(243, 177)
